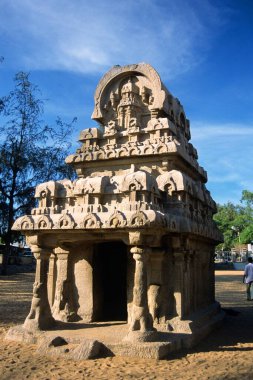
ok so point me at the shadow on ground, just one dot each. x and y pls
(16, 293)
(236, 331)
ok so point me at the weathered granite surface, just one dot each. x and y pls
(132, 238)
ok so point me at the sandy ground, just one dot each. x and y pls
(225, 354)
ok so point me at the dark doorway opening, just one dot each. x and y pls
(110, 282)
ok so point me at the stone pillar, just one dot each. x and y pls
(140, 318)
(211, 272)
(198, 279)
(40, 317)
(205, 278)
(157, 290)
(52, 273)
(187, 284)
(169, 295)
(192, 284)
(62, 301)
(83, 279)
(179, 282)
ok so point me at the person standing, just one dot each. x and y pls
(248, 277)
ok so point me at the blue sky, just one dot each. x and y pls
(203, 51)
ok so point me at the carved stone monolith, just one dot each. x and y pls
(132, 238)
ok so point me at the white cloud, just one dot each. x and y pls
(232, 177)
(225, 151)
(202, 131)
(86, 36)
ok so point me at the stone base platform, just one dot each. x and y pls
(81, 341)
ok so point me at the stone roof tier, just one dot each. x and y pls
(137, 169)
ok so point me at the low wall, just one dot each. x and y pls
(230, 266)
(239, 266)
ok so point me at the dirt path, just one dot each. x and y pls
(225, 354)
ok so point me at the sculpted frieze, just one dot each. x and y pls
(111, 128)
(90, 133)
(161, 148)
(150, 88)
(66, 221)
(91, 221)
(44, 222)
(116, 220)
(100, 155)
(90, 185)
(149, 149)
(24, 223)
(139, 219)
(143, 126)
(110, 153)
(122, 152)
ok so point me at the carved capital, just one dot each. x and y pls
(157, 254)
(189, 255)
(32, 240)
(140, 253)
(153, 240)
(135, 238)
(178, 257)
(181, 243)
(197, 253)
(40, 253)
(137, 250)
(176, 242)
(61, 253)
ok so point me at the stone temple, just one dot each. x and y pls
(132, 239)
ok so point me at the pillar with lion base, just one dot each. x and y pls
(40, 317)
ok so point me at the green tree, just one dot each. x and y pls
(225, 218)
(246, 234)
(247, 197)
(30, 152)
(236, 221)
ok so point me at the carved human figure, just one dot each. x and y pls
(115, 222)
(42, 224)
(89, 223)
(25, 225)
(37, 301)
(64, 223)
(111, 128)
(133, 125)
(153, 301)
(62, 309)
(43, 199)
